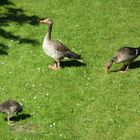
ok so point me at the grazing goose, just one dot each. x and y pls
(125, 55)
(56, 49)
(9, 107)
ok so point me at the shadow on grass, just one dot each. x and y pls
(12, 14)
(134, 65)
(3, 49)
(19, 117)
(9, 35)
(5, 2)
(72, 63)
(18, 16)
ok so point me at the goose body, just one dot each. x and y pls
(55, 49)
(9, 107)
(125, 55)
(49, 49)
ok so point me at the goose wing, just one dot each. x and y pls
(127, 54)
(65, 51)
(128, 51)
(60, 47)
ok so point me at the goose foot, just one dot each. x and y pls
(54, 67)
(10, 123)
(50, 67)
(121, 71)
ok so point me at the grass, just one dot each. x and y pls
(77, 102)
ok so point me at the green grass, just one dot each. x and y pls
(75, 103)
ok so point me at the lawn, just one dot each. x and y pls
(79, 102)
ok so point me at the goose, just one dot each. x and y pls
(9, 107)
(55, 49)
(125, 55)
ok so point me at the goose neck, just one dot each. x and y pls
(49, 31)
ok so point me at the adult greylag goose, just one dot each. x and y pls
(125, 55)
(55, 49)
(9, 107)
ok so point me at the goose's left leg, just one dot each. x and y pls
(124, 68)
(58, 65)
(8, 119)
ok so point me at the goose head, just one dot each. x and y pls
(47, 21)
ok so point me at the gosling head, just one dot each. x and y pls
(47, 21)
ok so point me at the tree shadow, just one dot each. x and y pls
(9, 35)
(19, 117)
(12, 14)
(3, 49)
(72, 63)
(17, 15)
(5, 2)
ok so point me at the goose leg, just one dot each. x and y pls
(124, 68)
(8, 119)
(58, 65)
(55, 66)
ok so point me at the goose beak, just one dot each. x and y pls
(106, 70)
(42, 21)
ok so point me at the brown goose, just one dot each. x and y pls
(9, 107)
(125, 55)
(56, 49)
